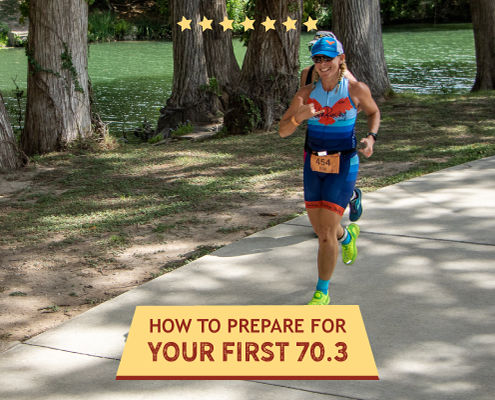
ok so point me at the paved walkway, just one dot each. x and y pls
(424, 280)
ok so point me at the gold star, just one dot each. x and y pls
(184, 24)
(311, 24)
(248, 24)
(290, 24)
(206, 23)
(269, 23)
(227, 23)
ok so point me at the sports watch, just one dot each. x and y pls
(375, 135)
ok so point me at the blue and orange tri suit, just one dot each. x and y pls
(332, 131)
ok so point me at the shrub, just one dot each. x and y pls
(101, 26)
(122, 28)
(4, 31)
(150, 29)
(184, 129)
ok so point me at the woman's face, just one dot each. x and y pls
(327, 69)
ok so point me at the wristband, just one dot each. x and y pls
(375, 135)
(293, 120)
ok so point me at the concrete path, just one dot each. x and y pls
(424, 280)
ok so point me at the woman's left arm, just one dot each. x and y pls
(361, 96)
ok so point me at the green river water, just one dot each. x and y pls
(132, 80)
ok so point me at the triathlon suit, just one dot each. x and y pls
(333, 132)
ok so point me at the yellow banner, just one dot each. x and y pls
(247, 342)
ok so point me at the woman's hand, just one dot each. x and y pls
(297, 112)
(305, 111)
(368, 150)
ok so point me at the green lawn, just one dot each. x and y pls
(93, 194)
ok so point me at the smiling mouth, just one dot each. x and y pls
(325, 70)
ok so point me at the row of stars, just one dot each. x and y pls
(248, 24)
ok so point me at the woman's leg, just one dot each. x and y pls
(326, 197)
(326, 224)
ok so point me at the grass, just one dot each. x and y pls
(4, 336)
(101, 195)
(18, 294)
(92, 302)
(284, 218)
(199, 252)
(433, 132)
(53, 308)
(235, 229)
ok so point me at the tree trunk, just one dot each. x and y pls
(356, 23)
(57, 110)
(483, 13)
(189, 99)
(221, 63)
(9, 160)
(269, 76)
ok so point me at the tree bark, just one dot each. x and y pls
(483, 13)
(189, 99)
(269, 75)
(57, 110)
(356, 23)
(219, 50)
(9, 159)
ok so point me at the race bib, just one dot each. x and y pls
(328, 164)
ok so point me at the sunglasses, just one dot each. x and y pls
(319, 59)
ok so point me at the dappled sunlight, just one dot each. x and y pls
(431, 245)
(431, 204)
(425, 356)
(207, 283)
(425, 229)
(437, 367)
(426, 359)
(420, 324)
(432, 213)
(412, 266)
(60, 375)
(188, 158)
(423, 278)
(434, 302)
(482, 344)
(452, 388)
(427, 292)
(459, 129)
(478, 280)
(463, 266)
(232, 274)
(474, 316)
(115, 216)
(387, 249)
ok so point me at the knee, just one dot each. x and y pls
(327, 234)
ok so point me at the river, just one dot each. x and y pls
(132, 80)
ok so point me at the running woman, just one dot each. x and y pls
(331, 105)
(308, 76)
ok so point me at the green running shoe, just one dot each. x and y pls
(319, 299)
(349, 251)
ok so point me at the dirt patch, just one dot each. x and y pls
(10, 186)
